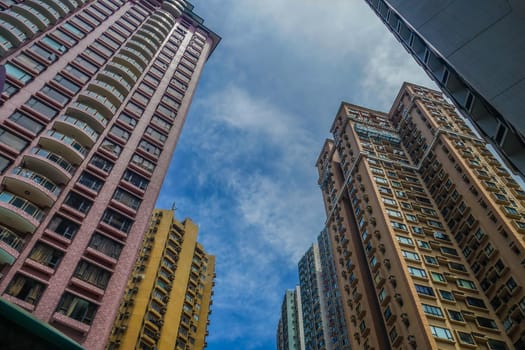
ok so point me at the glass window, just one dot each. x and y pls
(150, 148)
(102, 163)
(26, 122)
(111, 147)
(66, 83)
(410, 255)
(126, 119)
(65, 37)
(88, 66)
(78, 202)
(143, 163)
(9, 89)
(54, 44)
(417, 272)
(466, 338)
(46, 255)
(17, 73)
(432, 310)
(26, 289)
(136, 179)
(486, 322)
(4, 163)
(476, 302)
(431, 260)
(120, 133)
(83, 77)
(72, 29)
(30, 62)
(455, 316)
(92, 274)
(77, 308)
(446, 295)
(127, 198)
(404, 240)
(90, 181)
(11, 140)
(468, 284)
(117, 220)
(154, 134)
(42, 108)
(440, 332)
(63, 226)
(55, 95)
(44, 53)
(438, 277)
(106, 245)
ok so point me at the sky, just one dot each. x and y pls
(244, 167)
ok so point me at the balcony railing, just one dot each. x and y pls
(68, 140)
(90, 111)
(37, 178)
(22, 204)
(11, 239)
(88, 130)
(61, 162)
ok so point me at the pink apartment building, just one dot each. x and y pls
(94, 101)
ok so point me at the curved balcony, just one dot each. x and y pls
(161, 23)
(135, 54)
(88, 114)
(99, 103)
(11, 244)
(115, 79)
(24, 182)
(49, 164)
(49, 12)
(172, 9)
(154, 32)
(107, 90)
(145, 41)
(129, 62)
(141, 47)
(21, 214)
(32, 15)
(63, 145)
(77, 128)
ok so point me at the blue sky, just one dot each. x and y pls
(244, 168)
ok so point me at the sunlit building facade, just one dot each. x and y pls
(289, 335)
(474, 54)
(94, 101)
(169, 295)
(425, 226)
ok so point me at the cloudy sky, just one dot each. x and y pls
(244, 168)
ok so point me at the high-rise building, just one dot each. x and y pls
(95, 98)
(474, 54)
(426, 226)
(313, 300)
(289, 334)
(167, 302)
(336, 328)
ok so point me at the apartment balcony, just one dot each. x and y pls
(77, 128)
(107, 90)
(25, 182)
(99, 104)
(21, 214)
(89, 114)
(49, 164)
(64, 145)
(115, 79)
(11, 244)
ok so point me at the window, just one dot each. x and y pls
(101, 163)
(387, 313)
(111, 147)
(127, 198)
(441, 236)
(63, 226)
(486, 322)
(77, 308)
(73, 30)
(496, 345)
(17, 73)
(126, 119)
(455, 316)
(432, 310)
(143, 163)
(65, 37)
(52, 43)
(417, 272)
(26, 122)
(393, 213)
(117, 220)
(55, 95)
(11, 140)
(449, 251)
(465, 338)
(88, 66)
(136, 179)
(150, 148)
(442, 333)
(9, 89)
(4, 163)
(154, 134)
(105, 245)
(446, 295)
(398, 226)
(66, 83)
(78, 202)
(26, 289)
(423, 244)
(476, 302)
(46, 255)
(431, 260)
(410, 255)
(457, 266)
(42, 108)
(83, 77)
(404, 240)
(467, 284)
(120, 133)
(44, 53)
(29, 62)
(92, 274)
(438, 277)
(90, 181)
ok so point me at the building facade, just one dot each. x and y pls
(93, 104)
(426, 226)
(474, 54)
(289, 334)
(336, 329)
(167, 302)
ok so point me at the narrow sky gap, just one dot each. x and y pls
(244, 166)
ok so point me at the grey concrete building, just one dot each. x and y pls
(474, 50)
